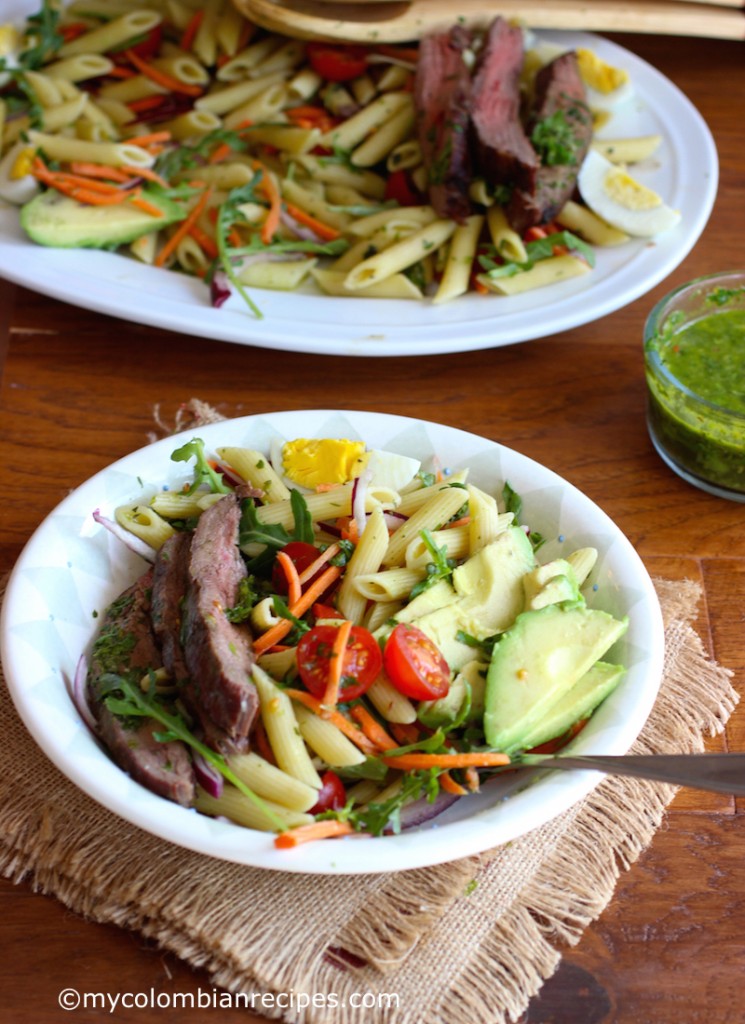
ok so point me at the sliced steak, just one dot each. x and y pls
(559, 97)
(126, 646)
(503, 153)
(442, 92)
(218, 653)
(170, 582)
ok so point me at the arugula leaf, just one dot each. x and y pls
(43, 32)
(514, 503)
(133, 703)
(203, 472)
(440, 568)
(273, 536)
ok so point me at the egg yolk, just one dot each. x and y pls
(627, 192)
(313, 462)
(599, 75)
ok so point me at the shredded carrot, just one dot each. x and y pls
(119, 71)
(73, 30)
(312, 117)
(148, 140)
(161, 77)
(448, 783)
(405, 733)
(183, 229)
(97, 199)
(79, 181)
(336, 718)
(203, 240)
(148, 174)
(99, 171)
(146, 103)
(316, 830)
(324, 231)
(234, 238)
(336, 664)
(269, 187)
(220, 153)
(474, 759)
(294, 588)
(318, 563)
(277, 632)
(192, 27)
(349, 529)
(263, 745)
(372, 729)
(479, 287)
(146, 207)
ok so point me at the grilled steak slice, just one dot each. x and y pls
(442, 95)
(218, 653)
(170, 581)
(126, 646)
(564, 120)
(503, 151)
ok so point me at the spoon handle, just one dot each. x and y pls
(721, 773)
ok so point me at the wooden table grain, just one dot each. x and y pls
(79, 390)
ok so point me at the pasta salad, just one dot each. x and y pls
(333, 640)
(188, 138)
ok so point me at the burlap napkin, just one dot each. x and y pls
(461, 943)
(466, 942)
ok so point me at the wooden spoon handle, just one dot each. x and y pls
(400, 22)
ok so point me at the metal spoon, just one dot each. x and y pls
(721, 773)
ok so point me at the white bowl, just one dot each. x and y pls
(72, 568)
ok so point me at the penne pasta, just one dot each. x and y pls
(587, 224)
(389, 584)
(326, 740)
(256, 469)
(113, 34)
(271, 783)
(234, 805)
(456, 278)
(507, 242)
(400, 255)
(367, 556)
(144, 523)
(541, 274)
(430, 516)
(281, 727)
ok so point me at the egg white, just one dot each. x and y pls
(594, 183)
(16, 190)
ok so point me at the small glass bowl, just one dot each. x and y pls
(694, 354)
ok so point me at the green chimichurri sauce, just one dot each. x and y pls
(704, 440)
(708, 357)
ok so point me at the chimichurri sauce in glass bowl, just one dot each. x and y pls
(694, 349)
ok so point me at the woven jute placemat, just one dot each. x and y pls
(468, 942)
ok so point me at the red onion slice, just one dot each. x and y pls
(80, 696)
(359, 496)
(135, 544)
(207, 776)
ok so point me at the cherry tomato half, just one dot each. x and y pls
(337, 63)
(331, 795)
(301, 554)
(414, 664)
(361, 667)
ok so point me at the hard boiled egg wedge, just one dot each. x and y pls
(607, 86)
(308, 463)
(17, 184)
(622, 201)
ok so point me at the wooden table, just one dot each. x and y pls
(79, 390)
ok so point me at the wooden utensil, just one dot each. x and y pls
(393, 22)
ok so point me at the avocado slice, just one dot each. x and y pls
(61, 222)
(537, 661)
(579, 703)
